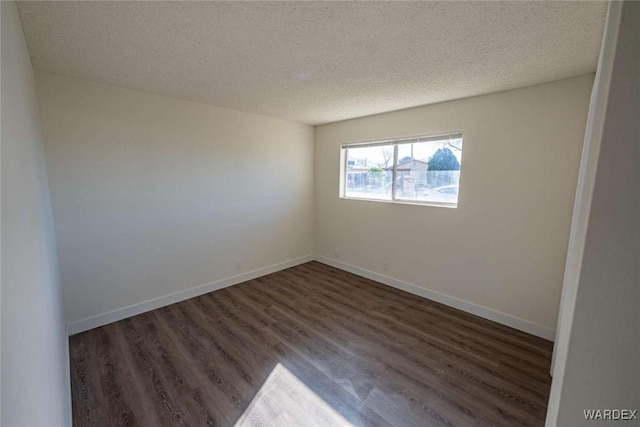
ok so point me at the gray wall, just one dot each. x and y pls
(34, 364)
(502, 250)
(154, 196)
(601, 370)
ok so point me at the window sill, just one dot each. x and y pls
(404, 202)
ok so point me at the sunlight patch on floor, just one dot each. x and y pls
(285, 401)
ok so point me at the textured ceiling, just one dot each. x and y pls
(315, 62)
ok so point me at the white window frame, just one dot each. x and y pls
(395, 143)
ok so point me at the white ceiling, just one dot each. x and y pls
(316, 62)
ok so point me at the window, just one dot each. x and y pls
(422, 169)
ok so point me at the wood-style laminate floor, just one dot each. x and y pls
(310, 346)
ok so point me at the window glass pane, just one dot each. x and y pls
(429, 171)
(425, 172)
(369, 172)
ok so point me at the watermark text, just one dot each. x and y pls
(611, 414)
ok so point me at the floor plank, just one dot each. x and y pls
(310, 345)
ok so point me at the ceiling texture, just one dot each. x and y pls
(315, 62)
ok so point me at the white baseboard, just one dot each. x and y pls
(469, 307)
(67, 369)
(142, 307)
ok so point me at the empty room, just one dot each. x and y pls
(319, 213)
